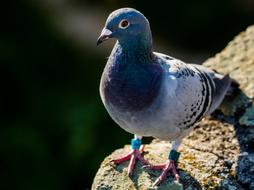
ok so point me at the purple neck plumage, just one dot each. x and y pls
(132, 78)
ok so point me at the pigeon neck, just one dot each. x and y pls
(137, 47)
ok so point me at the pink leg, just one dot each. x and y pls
(142, 148)
(140, 157)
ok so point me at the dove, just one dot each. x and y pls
(152, 94)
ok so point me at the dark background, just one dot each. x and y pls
(54, 128)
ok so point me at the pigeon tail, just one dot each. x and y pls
(233, 88)
(223, 86)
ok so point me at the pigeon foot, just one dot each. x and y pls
(133, 156)
(170, 165)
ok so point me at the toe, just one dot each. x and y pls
(157, 181)
(122, 158)
(148, 166)
(131, 165)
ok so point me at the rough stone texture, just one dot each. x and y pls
(237, 60)
(208, 159)
(246, 160)
(219, 153)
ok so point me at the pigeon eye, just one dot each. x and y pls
(124, 24)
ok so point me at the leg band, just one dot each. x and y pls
(174, 155)
(135, 143)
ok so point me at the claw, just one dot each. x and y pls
(157, 182)
(147, 166)
(177, 177)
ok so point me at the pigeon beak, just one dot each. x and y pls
(105, 35)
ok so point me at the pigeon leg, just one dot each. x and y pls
(133, 155)
(170, 165)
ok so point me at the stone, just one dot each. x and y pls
(248, 117)
(219, 152)
(237, 60)
(246, 176)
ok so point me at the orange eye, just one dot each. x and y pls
(124, 24)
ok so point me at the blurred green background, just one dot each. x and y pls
(54, 128)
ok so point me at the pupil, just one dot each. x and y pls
(124, 23)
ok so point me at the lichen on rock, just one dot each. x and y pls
(237, 60)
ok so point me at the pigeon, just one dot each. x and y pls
(152, 94)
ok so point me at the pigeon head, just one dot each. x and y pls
(127, 25)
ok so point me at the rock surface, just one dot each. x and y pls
(219, 153)
(237, 60)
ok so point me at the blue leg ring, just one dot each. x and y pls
(135, 143)
(174, 155)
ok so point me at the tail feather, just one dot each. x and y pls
(233, 88)
(222, 85)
